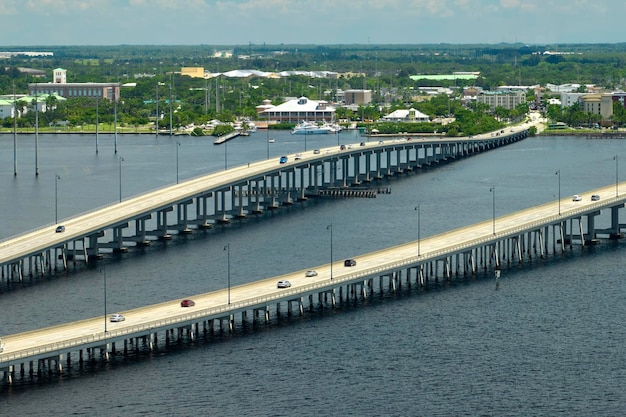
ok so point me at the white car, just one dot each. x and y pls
(577, 198)
(310, 273)
(283, 284)
(116, 318)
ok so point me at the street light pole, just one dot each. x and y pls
(121, 159)
(227, 249)
(177, 146)
(171, 82)
(156, 132)
(268, 140)
(558, 174)
(225, 155)
(330, 227)
(417, 208)
(56, 198)
(616, 176)
(105, 298)
(493, 190)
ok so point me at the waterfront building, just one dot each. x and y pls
(299, 109)
(409, 116)
(601, 104)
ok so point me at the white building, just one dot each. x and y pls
(569, 99)
(410, 116)
(299, 109)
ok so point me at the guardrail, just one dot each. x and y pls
(324, 285)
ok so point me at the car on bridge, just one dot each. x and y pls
(283, 284)
(576, 197)
(283, 160)
(349, 262)
(187, 303)
(60, 229)
(595, 197)
(310, 273)
(116, 318)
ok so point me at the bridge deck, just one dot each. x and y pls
(90, 332)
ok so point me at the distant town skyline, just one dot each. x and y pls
(323, 22)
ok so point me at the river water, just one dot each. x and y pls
(548, 341)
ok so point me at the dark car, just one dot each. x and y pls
(187, 303)
(349, 262)
(283, 159)
(595, 197)
(60, 229)
(342, 148)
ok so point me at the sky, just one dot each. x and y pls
(319, 22)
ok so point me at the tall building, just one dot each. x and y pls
(506, 99)
(359, 97)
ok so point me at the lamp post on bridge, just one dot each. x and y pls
(56, 198)
(121, 160)
(558, 174)
(227, 249)
(267, 141)
(177, 146)
(616, 176)
(493, 204)
(104, 271)
(417, 208)
(330, 227)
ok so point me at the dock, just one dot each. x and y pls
(226, 137)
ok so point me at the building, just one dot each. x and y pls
(24, 104)
(601, 104)
(358, 97)
(299, 109)
(409, 116)
(506, 99)
(60, 86)
(569, 99)
(193, 72)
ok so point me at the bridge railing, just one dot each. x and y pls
(296, 292)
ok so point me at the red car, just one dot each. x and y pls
(187, 303)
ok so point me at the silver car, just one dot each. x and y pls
(283, 284)
(116, 318)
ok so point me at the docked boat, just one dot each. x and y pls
(310, 128)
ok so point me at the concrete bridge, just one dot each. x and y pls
(537, 232)
(235, 193)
